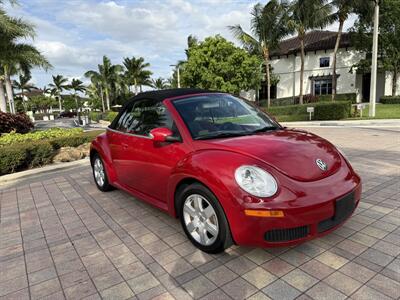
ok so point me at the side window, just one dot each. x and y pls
(143, 116)
(324, 62)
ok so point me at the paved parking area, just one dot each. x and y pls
(62, 238)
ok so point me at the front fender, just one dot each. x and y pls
(215, 169)
(100, 145)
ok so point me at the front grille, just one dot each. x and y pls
(287, 234)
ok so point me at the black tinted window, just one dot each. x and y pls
(143, 116)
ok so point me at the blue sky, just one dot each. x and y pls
(75, 34)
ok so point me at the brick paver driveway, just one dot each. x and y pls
(62, 238)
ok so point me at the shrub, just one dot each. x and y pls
(332, 110)
(12, 158)
(95, 116)
(33, 153)
(339, 97)
(39, 153)
(390, 100)
(14, 138)
(111, 116)
(15, 122)
(323, 111)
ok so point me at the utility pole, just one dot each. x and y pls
(374, 66)
(178, 75)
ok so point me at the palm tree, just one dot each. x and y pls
(268, 27)
(307, 15)
(108, 74)
(159, 83)
(97, 87)
(136, 72)
(15, 54)
(77, 86)
(343, 9)
(3, 101)
(59, 84)
(24, 85)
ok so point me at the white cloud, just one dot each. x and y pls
(74, 35)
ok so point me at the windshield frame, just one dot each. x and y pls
(225, 134)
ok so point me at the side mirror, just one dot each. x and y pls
(162, 134)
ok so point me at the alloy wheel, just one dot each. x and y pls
(201, 220)
(99, 174)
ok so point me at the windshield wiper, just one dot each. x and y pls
(264, 129)
(221, 135)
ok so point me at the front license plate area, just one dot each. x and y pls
(344, 207)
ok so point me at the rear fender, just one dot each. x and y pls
(101, 146)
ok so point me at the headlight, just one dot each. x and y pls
(256, 181)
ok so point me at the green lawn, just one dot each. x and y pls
(383, 111)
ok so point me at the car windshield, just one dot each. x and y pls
(222, 115)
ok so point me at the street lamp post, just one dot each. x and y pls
(372, 94)
(177, 70)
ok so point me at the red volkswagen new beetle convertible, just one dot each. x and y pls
(229, 171)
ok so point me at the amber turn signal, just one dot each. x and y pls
(264, 213)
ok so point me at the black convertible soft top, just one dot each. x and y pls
(161, 95)
(170, 93)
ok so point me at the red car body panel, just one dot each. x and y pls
(153, 171)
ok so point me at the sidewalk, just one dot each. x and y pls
(347, 123)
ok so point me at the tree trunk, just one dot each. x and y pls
(334, 77)
(102, 99)
(59, 102)
(3, 101)
(267, 76)
(136, 86)
(394, 82)
(77, 102)
(9, 91)
(301, 69)
(107, 98)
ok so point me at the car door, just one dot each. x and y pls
(145, 165)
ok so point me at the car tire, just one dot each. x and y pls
(100, 175)
(207, 227)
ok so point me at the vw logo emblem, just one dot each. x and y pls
(321, 164)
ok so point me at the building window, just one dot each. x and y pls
(324, 62)
(323, 87)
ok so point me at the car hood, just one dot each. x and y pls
(292, 152)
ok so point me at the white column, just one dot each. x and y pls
(372, 93)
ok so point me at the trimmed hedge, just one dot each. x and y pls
(15, 138)
(390, 100)
(19, 156)
(19, 122)
(323, 111)
(307, 99)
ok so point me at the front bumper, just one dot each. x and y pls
(299, 224)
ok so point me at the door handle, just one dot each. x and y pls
(124, 145)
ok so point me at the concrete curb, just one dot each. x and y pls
(348, 123)
(6, 179)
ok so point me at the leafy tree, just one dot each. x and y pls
(268, 27)
(306, 15)
(136, 73)
(77, 86)
(217, 64)
(60, 83)
(388, 42)
(41, 102)
(159, 83)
